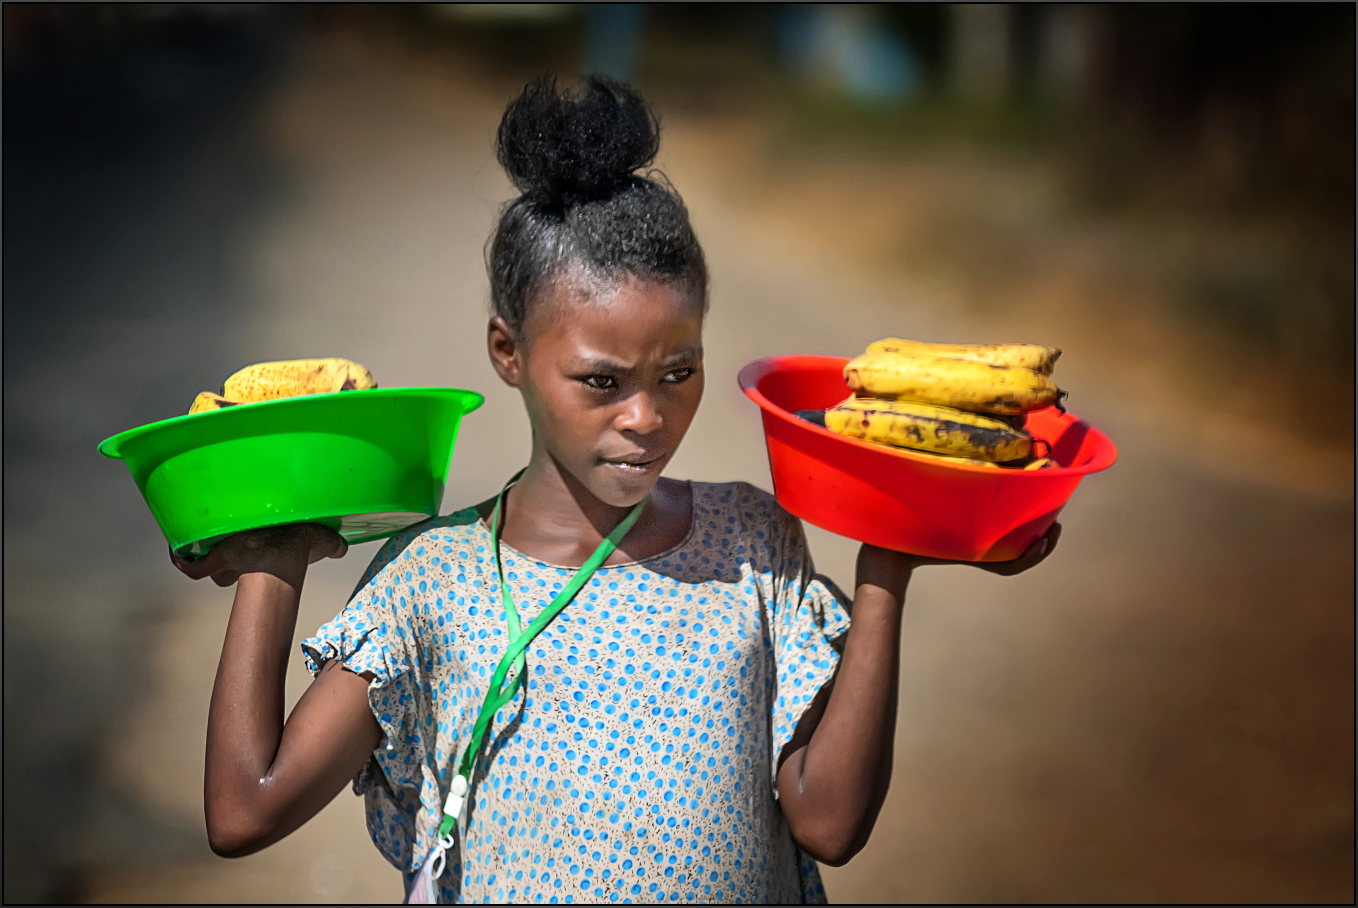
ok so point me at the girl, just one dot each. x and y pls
(701, 722)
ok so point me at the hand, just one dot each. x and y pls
(283, 551)
(885, 569)
(1035, 555)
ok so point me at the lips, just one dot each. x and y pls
(634, 463)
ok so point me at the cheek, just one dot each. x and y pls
(686, 401)
(562, 417)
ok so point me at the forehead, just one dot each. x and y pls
(623, 320)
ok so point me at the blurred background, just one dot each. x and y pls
(1162, 712)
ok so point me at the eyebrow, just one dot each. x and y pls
(606, 365)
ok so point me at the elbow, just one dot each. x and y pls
(229, 842)
(232, 835)
(830, 844)
(834, 854)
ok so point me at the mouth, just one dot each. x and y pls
(634, 464)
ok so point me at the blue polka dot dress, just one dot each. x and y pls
(637, 764)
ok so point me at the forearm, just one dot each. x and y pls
(833, 776)
(833, 787)
(245, 720)
(264, 778)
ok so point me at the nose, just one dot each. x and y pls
(639, 415)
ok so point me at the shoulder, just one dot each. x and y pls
(745, 511)
(741, 500)
(438, 540)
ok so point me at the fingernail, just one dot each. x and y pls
(1042, 549)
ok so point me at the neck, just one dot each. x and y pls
(549, 497)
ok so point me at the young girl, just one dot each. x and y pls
(699, 723)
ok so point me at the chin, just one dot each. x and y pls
(622, 491)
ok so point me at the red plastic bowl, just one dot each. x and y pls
(901, 500)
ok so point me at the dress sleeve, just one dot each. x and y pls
(807, 615)
(377, 632)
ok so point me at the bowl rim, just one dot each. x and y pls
(112, 446)
(752, 373)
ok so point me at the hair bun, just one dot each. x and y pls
(565, 147)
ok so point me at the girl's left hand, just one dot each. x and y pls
(1036, 554)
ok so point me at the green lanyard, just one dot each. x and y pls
(498, 694)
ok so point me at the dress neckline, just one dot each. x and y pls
(681, 544)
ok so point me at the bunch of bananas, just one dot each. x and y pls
(291, 378)
(964, 402)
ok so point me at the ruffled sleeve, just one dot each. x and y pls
(807, 615)
(378, 631)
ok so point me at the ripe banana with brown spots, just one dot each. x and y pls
(926, 428)
(966, 385)
(1026, 356)
(292, 378)
(206, 400)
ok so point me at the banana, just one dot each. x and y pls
(1017, 422)
(1026, 356)
(291, 378)
(981, 387)
(971, 460)
(206, 400)
(1041, 464)
(922, 427)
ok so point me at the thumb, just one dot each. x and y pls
(326, 543)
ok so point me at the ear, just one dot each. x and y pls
(503, 347)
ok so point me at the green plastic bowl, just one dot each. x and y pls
(367, 464)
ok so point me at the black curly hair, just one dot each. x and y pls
(585, 211)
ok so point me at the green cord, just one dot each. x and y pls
(497, 696)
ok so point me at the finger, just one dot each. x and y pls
(332, 544)
(226, 578)
(1053, 536)
(194, 569)
(1009, 568)
(183, 564)
(1035, 554)
(1030, 557)
(323, 542)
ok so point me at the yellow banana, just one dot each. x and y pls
(923, 427)
(1017, 421)
(206, 400)
(1025, 356)
(968, 460)
(291, 378)
(982, 387)
(1041, 464)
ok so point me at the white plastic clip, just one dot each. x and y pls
(457, 793)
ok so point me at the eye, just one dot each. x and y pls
(600, 382)
(679, 375)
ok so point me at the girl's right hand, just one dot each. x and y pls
(283, 551)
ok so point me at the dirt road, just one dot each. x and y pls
(1164, 711)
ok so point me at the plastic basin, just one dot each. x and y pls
(902, 500)
(365, 463)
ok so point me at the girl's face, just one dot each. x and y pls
(611, 379)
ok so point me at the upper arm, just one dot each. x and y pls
(332, 730)
(789, 769)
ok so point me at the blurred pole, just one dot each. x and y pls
(981, 50)
(1067, 41)
(613, 39)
